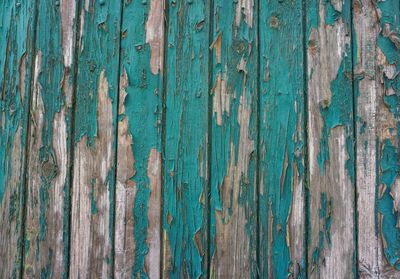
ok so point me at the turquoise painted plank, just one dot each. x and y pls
(17, 31)
(186, 140)
(387, 210)
(47, 204)
(282, 140)
(138, 196)
(95, 130)
(233, 212)
(332, 239)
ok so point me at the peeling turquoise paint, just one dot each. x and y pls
(274, 50)
(234, 44)
(16, 39)
(98, 51)
(52, 96)
(325, 212)
(388, 161)
(339, 112)
(143, 110)
(390, 169)
(281, 130)
(185, 189)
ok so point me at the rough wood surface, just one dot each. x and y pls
(330, 140)
(282, 141)
(371, 117)
(17, 23)
(194, 139)
(377, 67)
(233, 238)
(138, 196)
(93, 185)
(186, 140)
(47, 205)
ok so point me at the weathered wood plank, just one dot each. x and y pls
(377, 29)
(17, 22)
(47, 213)
(92, 220)
(331, 251)
(281, 147)
(234, 140)
(138, 196)
(186, 140)
(372, 114)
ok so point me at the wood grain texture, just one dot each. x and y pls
(93, 185)
(282, 141)
(331, 140)
(47, 213)
(186, 140)
(233, 212)
(17, 28)
(265, 146)
(373, 124)
(377, 74)
(138, 198)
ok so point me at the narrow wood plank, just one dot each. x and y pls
(186, 140)
(331, 251)
(16, 48)
(234, 140)
(47, 214)
(377, 67)
(282, 176)
(92, 220)
(138, 196)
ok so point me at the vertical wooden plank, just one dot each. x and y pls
(138, 193)
(369, 89)
(331, 251)
(92, 220)
(234, 140)
(282, 140)
(47, 213)
(388, 55)
(377, 27)
(186, 140)
(16, 46)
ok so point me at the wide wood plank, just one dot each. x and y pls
(186, 140)
(332, 246)
(138, 196)
(17, 31)
(377, 68)
(47, 213)
(370, 112)
(233, 212)
(93, 185)
(282, 140)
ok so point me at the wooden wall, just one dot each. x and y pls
(194, 139)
